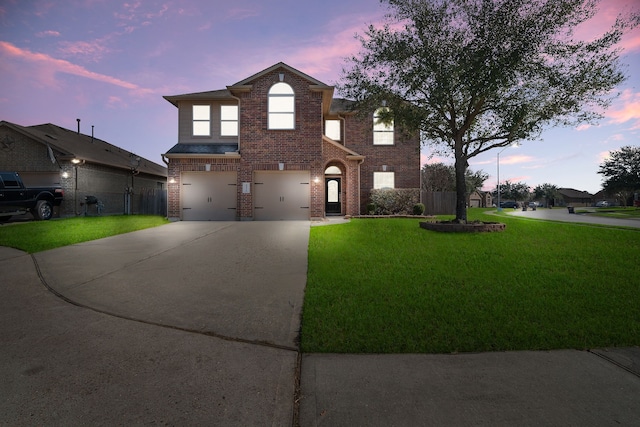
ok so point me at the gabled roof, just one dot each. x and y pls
(350, 153)
(341, 106)
(574, 194)
(290, 69)
(67, 144)
(245, 85)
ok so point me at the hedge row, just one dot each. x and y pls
(396, 201)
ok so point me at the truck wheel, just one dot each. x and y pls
(43, 210)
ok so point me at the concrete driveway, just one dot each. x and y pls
(90, 364)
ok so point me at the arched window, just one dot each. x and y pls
(382, 132)
(281, 107)
(332, 170)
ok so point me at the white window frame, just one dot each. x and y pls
(281, 107)
(201, 120)
(228, 120)
(382, 180)
(383, 133)
(332, 129)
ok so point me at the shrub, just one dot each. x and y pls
(394, 201)
(371, 208)
(418, 209)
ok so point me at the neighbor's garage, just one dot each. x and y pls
(209, 196)
(281, 195)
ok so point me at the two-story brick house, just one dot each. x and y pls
(277, 145)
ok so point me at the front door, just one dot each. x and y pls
(332, 192)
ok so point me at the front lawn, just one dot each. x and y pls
(388, 286)
(613, 212)
(39, 236)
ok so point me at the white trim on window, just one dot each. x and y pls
(382, 180)
(228, 120)
(382, 132)
(281, 107)
(332, 129)
(201, 120)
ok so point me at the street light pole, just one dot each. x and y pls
(515, 144)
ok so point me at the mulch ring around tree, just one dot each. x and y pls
(456, 227)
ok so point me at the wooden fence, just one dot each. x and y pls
(439, 202)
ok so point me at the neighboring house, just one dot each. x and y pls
(602, 196)
(277, 145)
(571, 197)
(480, 199)
(83, 166)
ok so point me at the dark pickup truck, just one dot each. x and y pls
(16, 199)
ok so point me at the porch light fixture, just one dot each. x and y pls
(172, 180)
(281, 77)
(65, 174)
(77, 161)
(384, 168)
(280, 166)
(207, 167)
(316, 180)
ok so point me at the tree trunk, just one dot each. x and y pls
(461, 184)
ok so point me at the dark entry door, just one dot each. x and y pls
(332, 194)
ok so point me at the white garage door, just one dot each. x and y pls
(282, 195)
(209, 196)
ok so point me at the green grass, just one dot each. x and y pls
(43, 235)
(615, 212)
(388, 286)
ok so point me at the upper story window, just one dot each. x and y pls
(332, 129)
(201, 120)
(382, 132)
(281, 107)
(228, 120)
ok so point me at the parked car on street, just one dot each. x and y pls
(513, 205)
(602, 204)
(16, 199)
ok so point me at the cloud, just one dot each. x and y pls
(93, 50)
(326, 54)
(48, 33)
(605, 19)
(627, 109)
(238, 14)
(516, 159)
(48, 66)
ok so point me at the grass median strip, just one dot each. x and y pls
(39, 236)
(387, 286)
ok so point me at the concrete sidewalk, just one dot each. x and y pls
(196, 323)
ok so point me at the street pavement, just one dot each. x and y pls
(563, 215)
(196, 323)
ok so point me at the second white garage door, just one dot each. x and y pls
(281, 195)
(209, 196)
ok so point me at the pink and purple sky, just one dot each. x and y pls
(110, 62)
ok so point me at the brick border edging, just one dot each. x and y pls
(450, 227)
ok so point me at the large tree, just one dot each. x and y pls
(621, 172)
(474, 75)
(546, 191)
